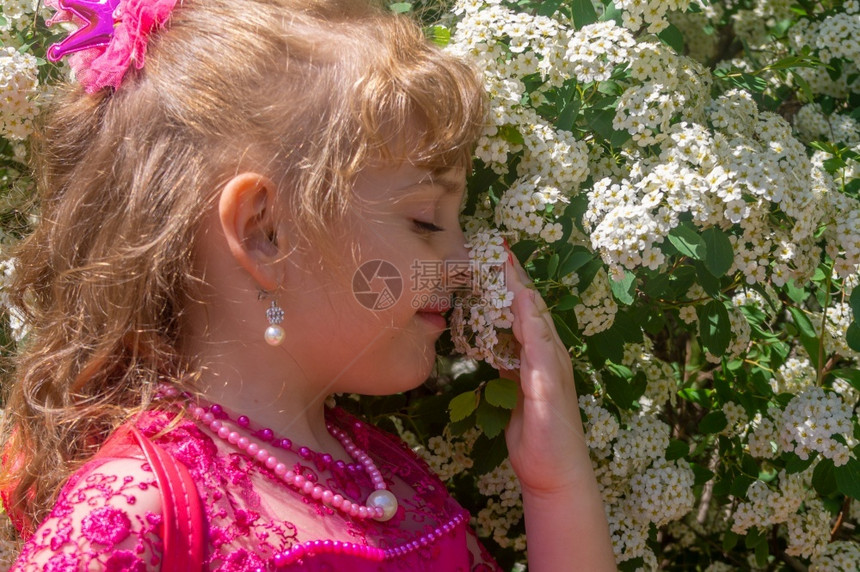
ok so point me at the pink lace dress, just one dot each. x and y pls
(108, 515)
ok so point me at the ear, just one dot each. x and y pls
(247, 219)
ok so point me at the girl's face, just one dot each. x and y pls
(368, 329)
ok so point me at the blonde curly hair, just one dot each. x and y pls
(306, 92)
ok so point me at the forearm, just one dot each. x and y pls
(567, 530)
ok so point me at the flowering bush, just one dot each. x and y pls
(681, 180)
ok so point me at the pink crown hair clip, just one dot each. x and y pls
(111, 35)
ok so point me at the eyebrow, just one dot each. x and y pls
(438, 179)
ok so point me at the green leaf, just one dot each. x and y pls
(511, 134)
(588, 272)
(677, 450)
(439, 35)
(730, 539)
(656, 286)
(460, 427)
(623, 289)
(564, 332)
(794, 464)
(740, 484)
(488, 454)
(709, 283)
(808, 336)
(755, 537)
(568, 114)
(761, 554)
(567, 302)
(463, 405)
(523, 249)
(854, 302)
(583, 13)
(713, 422)
(672, 37)
(824, 478)
(688, 242)
(632, 565)
(502, 393)
(797, 294)
(702, 475)
(848, 478)
(600, 121)
(625, 393)
(492, 420)
(552, 266)
(549, 7)
(576, 260)
(852, 376)
(720, 254)
(611, 12)
(400, 7)
(852, 336)
(715, 328)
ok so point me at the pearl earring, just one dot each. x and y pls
(274, 333)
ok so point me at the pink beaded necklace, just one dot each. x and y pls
(381, 504)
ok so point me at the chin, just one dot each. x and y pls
(397, 381)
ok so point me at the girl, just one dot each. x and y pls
(190, 291)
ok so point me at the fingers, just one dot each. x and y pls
(533, 327)
(519, 282)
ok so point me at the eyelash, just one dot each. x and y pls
(426, 227)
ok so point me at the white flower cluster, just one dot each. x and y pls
(835, 36)
(601, 427)
(700, 47)
(736, 418)
(843, 231)
(524, 207)
(661, 494)
(807, 521)
(481, 327)
(447, 455)
(838, 36)
(639, 487)
(841, 555)
(839, 317)
(812, 124)
(651, 12)
(665, 87)
(811, 420)
(793, 376)
(16, 16)
(740, 177)
(510, 47)
(504, 507)
(761, 437)
(808, 532)
(661, 382)
(19, 90)
(597, 308)
(768, 506)
(753, 23)
(596, 49)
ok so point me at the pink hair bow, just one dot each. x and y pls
(111, 35)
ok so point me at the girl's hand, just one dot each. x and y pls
(564, 513)
(545, 438)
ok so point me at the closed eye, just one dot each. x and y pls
(426, 227)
